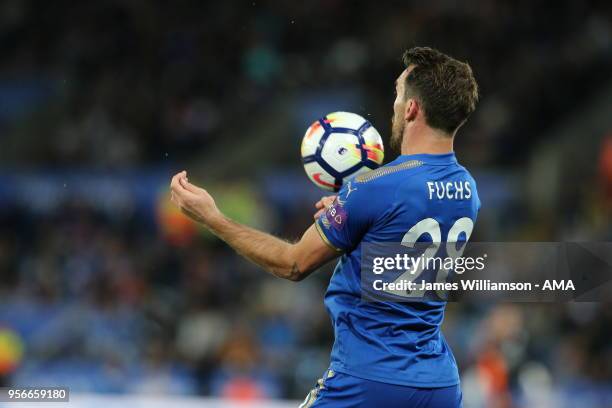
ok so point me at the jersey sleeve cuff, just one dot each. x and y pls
(325, 239)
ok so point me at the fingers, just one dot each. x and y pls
(175, 183)
(181, 180)
(188, 186)
(181, 194)
(325, 202)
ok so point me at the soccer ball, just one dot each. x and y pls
(338, 147)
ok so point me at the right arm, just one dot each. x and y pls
(292, 261)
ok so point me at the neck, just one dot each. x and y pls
(427, 141)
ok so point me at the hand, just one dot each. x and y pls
(323, 204)
(195, 202)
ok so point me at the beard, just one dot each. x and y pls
(397, 132)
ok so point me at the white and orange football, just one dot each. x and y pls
(338, 147)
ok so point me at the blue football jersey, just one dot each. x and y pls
(416, 197)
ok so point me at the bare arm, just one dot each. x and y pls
(280, 258)
(293, 261)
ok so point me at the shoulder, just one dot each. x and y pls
(383, 184)
(374, 192)
(472, 186)
(468, 176)
(384, 173)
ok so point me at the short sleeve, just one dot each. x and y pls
(343, 225)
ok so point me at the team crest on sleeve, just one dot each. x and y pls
(335, 216)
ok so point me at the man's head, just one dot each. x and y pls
(434, 90)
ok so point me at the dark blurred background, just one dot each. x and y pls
(105, 288)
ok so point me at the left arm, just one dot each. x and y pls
(293, 261)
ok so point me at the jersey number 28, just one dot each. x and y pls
(430, 226)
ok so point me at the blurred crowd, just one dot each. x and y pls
(112, 83)
(106, 296)
(103, 304)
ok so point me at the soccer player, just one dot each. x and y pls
(385, 354)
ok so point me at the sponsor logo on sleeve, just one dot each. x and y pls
(335, 216)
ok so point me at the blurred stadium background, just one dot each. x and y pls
(106, 289)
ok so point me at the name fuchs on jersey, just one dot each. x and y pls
(452, 190)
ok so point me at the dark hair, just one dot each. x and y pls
(445, 87)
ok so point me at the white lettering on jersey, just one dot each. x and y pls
(450, 190)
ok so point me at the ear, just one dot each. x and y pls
(412, 110)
